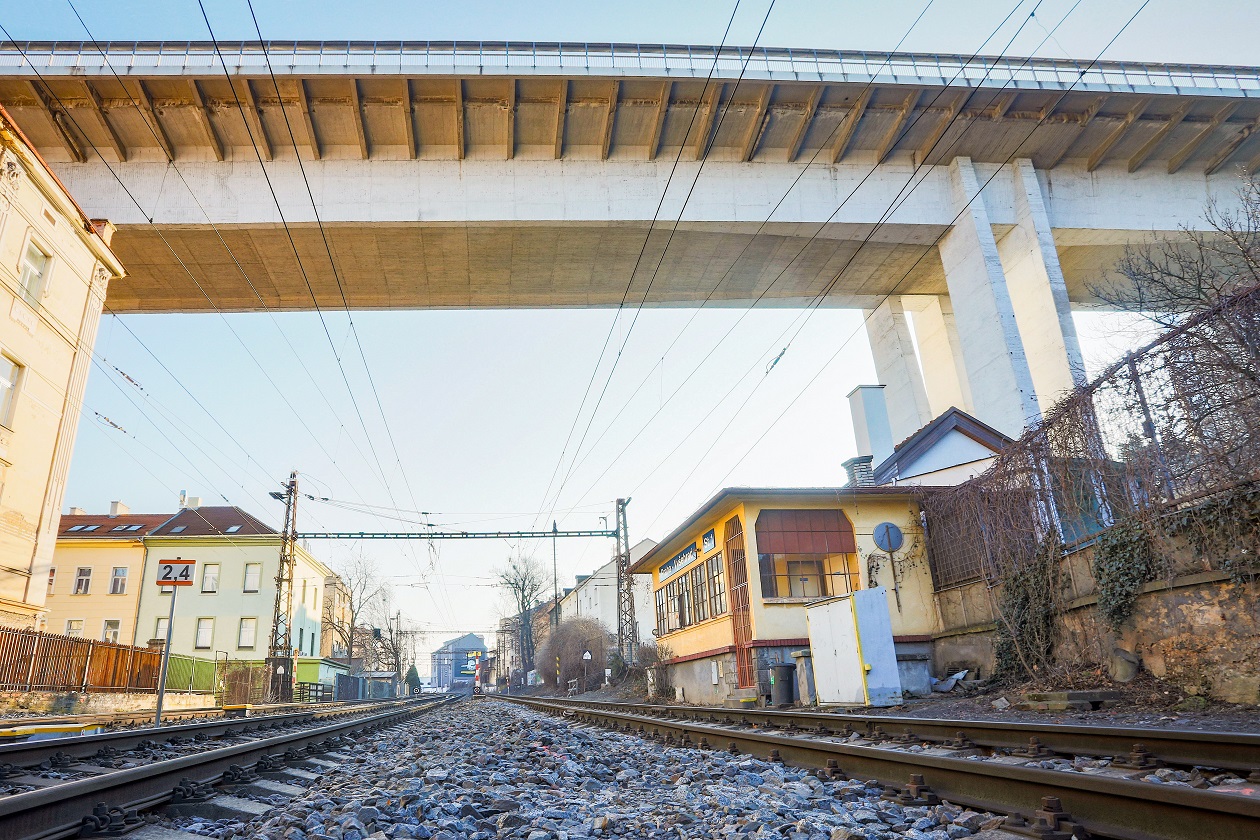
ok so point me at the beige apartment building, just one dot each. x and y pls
(101, 584)
(228, 610)
(96, 578)
(55, 266)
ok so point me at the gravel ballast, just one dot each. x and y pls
(490, 769)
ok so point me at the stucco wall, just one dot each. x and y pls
(98, 605)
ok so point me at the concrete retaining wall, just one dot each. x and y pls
(76, 703)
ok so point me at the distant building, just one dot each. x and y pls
(457, 659)
(55, 265)
(96, 577)
(595, 596)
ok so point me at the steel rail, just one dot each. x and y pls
(57, 812)
(144, 715)
(30, 753)
(1104, 806)
(1223, 750)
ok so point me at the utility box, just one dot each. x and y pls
(851, 642)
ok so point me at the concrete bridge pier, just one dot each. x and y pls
(1002, 344)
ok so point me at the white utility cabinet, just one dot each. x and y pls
(851, 644)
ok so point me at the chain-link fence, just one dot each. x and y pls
(1165, 438)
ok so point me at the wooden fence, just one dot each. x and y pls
(35, 661)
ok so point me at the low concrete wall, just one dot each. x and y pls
(76, 703)
(693, 680)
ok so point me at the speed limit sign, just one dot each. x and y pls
(177, 572)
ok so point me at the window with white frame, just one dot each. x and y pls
(111, 630)
(247, 633)
(205, 634)
(159, 630)
(253, 576)
(34, 277)
(74, 627)
(10, 379)
(83, 580)
(52, 580)
(118, 581)
(210, 578)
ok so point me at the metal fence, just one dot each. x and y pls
(1166, 437)
(36, 661)
(687, 61)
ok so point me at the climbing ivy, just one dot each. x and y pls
(1027, 624)
(1123, 562)
(1224, 532)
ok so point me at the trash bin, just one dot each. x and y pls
(781, 677)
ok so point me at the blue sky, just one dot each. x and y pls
(479, 403)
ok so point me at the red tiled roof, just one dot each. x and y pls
(211, 521)
(104, 525)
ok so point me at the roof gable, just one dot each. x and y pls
(917, 449)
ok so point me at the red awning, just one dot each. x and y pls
(805, 532)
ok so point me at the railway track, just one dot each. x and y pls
(99, 800)
(145, 716)
(1048, 804)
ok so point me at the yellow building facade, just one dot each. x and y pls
(55, 266)
(102, 584)
(730, 585)
(96, 576)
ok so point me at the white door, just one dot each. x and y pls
(837, 659)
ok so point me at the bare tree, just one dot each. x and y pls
(345, 604)
(570, 641)
(523, 581)
(391, 648)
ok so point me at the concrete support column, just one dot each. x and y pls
(1001, 383)
(897, 368)
(1038, 293)
(940, 353)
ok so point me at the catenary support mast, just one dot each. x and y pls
(280, 661)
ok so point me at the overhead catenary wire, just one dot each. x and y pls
(131, 196)
(923, 255)
(705, 145)
(733, 263)
(643, 248)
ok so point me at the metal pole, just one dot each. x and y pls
(555, 579)
(166, 658)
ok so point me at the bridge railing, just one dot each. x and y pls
(497, 57)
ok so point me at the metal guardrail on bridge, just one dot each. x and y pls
(653, 60)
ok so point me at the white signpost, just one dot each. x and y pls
(173, 573)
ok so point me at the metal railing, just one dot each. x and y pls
(531, 58)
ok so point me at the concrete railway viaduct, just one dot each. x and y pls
(977, 198)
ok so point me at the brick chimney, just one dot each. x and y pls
(118, 509)
(859, 470)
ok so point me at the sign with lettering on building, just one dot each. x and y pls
(709, 541)
(678, 561)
